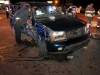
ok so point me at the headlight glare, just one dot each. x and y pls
(17, 18)
(58, 33)
(56, 36)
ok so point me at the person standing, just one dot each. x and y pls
(89, 13)
(20, 19)
(98, 18)
(7, 12)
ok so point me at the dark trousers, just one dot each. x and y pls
(89, 19)
(98, 22)
(7, 14)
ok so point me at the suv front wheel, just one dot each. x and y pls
(17, 29)
(42, 50)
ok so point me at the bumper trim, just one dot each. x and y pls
(72, 47)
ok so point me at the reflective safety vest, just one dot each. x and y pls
(90, 11)
(98, 14)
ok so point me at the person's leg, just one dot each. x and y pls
(98, 22)
(11, 23)
(6, 14)
(90, 20)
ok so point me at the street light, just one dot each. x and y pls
(49, 1)
(56, 1)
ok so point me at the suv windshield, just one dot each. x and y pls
(46, 11)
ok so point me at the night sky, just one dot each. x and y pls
(75, 2)
(85, 2)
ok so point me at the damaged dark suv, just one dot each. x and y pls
(54, 32)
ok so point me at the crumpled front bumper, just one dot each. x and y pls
(67, 46)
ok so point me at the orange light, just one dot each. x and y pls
(56, 2)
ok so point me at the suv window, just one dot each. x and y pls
(44, 11)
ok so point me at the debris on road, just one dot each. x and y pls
(69, 57)
(93, 67)
(85, 48)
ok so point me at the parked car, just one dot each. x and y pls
(54, 32)
(71, 11)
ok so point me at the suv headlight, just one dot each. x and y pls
(87, 29)
(17, 18)
(58, 36)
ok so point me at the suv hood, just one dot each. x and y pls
(63, 23)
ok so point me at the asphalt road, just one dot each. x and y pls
(23, 60)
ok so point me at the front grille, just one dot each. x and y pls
(75, 33)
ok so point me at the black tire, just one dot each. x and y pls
(17, 29)
(42, 49)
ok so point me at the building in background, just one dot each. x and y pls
(4, 3)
